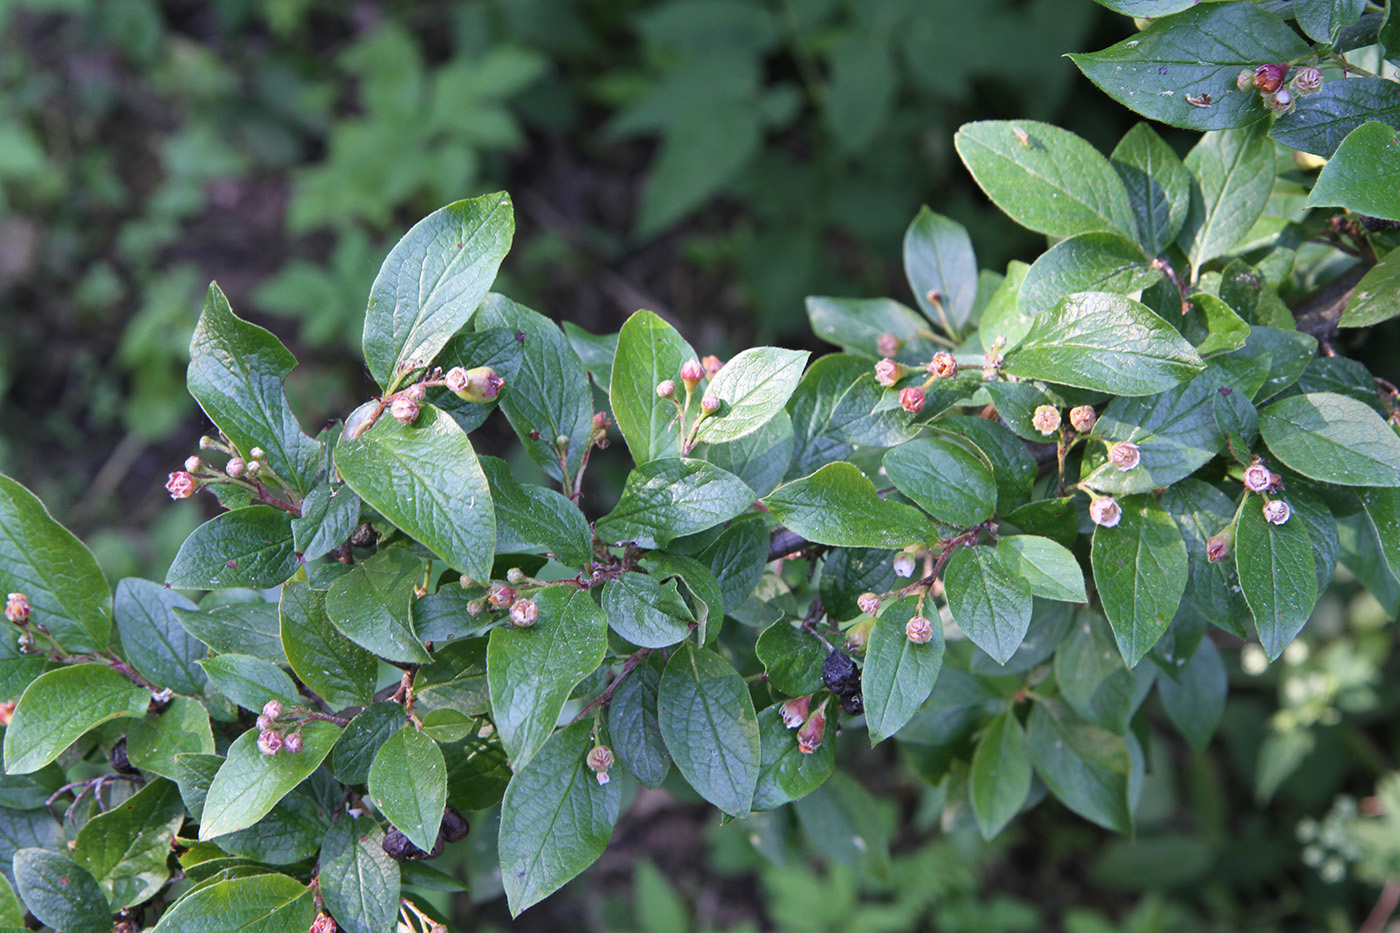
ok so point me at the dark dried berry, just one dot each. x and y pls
(364, 536)
(853, 704)
(840, 674)
(120, 763)
(398, 848)
(454, 826)
(1377, 224)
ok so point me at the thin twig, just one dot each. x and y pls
(1385, 907)
(605, 697)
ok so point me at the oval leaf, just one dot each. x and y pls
(408, 783)
(838, 505)
(946, 477)
(989, 600)
(1275, 564)
(251, 547)
(898, 675)
(1140, 571)
(752, 388)
(266, 903)
(249, 783)
(63, 704)
(60, 893)
(710, 727)
(1000, 779)
(648, 351)
(1332, 438)
(668, 499)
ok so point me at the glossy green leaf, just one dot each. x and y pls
(857, 324)
(710, 728)
(250, 682)
(1320, 121)
(838, 505)
(236, 374)
(408, 783)
(1093, 678)
(1198, 51)
(126, 848)
(1321, 20)
(1085, 766)
(263, 903)
(1288, 353)
(1146, 8)
(359, 882)
(1383, 509)
(370, 605)
(432, 282)
(23, 829)
(1376, 297)
(251, 547)
(533, 670)
(1195, 699)
(838, 405)
(1224, 329)
(1332, 438)
(752, 388)
(62, 894)
(737, 557)
(1275, 564)
(1045, 178)
(1159, 186)
(1140, 571)
(668, 499)
(424, 477)
(785, 772)
(43, 560)
(1013, 466)
(153, 639)
(249, 783)
(1202, 511)
(1362, 174)
(633, 725)
(898, 675)
(989, 600)
(1234, 172)
(531, 518)
(646, 611)
(847, 573)
(456, 680)
(237, 628)
(329, 514)
(12, 912)
(1106, 342)
(792, 658)
(946, 477)
(1049, 567)
(360, 741)
(941, 269)
(153, 743)
(759, 458)
(331, 665)
(1000, 779)
(648, 351)
(61, 705)
(1089, 262)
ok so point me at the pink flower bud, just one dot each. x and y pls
(943, 365)
(794, 711)
(476, 607)
(711, 404)
(254, 467)
(887, 344)
(17, 608)
(476, 385)
(1257, 477)
(1280, 101)
(1105, 511)
(869, 603)
(524, 612)
(257, 453)
(499, 595)
(181, 485)
(1218, 548)
(888, 372)
(904, 564)
(1307, 81)
(272, 710)
(456, 379)
(666, 388)
(691, 373)
(1125, 455)
(292, 743)
(712, 364)
(600, 760)
(1268, 78)
(235, 467)
(264, 723)
(809, 737)
(417, 392)
(919, 630)
(912, 399)
(515, 576)
(193, 465)
(322, 924)
(1276, 512)
(1046, 419)
(1083, 418)
(404, 410)
(269, 742)
(7, 712)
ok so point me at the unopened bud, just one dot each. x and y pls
(1245, 80)
(7, 712)
(235, 467)
(562, 442)
(292, 743)
(254, 467)
(1257, 477)
(208, 443)
(919, 630)
(1083, 418)
(809, 737)
(515, 576)
(404, 410)
(691, 373)
(600, 760)
(322, 924)
(479, 384)
(1105, 511)
(1307, 80)
(1046, 419)
(1276, 512)
(193, 465)
(524, 612)
(666, 388)
(943, 365)
(888, 372)
(17, 608)
(181, 485)
(257, 453)
(476, 607)
(269, 742)
(912, 399)
(711, 404)
(858, 635)
(1268, 78)
(869, 603)
(712, 364)
(1218, 548)
(794, 711)
(272, 710)
(1280, 101)
(904, 564)
(417, 392)
(499, 595)
(1125, 455)
(1275, 482)
(887, 344)
(264, 723)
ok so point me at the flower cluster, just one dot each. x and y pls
(272, 737)
(1268, 80)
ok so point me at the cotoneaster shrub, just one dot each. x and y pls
(988, 528)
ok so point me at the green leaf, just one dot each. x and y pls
(1320, 121)
(1084, 765)
(759, 458)
(359, 881)
(861, 90)
(1140, 571)
(126, 848)
(1383, 509)
(329, 515)
(1000, 779)
(1288, 353)
(785, 772)
(249, 783)
(1376, 297)
(550, 396)
(236, 374)
(22, 829)
(1224, 329)
(533, 670)
(838, 505)
(847, 573)
(1045, 178)
(41, 559)
(456, 680)
(1195, 699)
(250, 682)
(667, 499)
(941, 269)
(1106, 342)
(792, 658)
(237, 628)
(361, 740)
(898, 675)
(408, 783)
(12, 912)
(710, 727)
(153, 639)
(703, 150)
(424, 477)
(838, 405)
(267, 903)
(1013, 466)
(531, 518)
(1363, 175)
(857, 324)
(988, 599)
(597, 352)
(1093, 678)
(633, 725)
(737, 557)
(1275, 564)
(153, 743)
(1158, 184)
(645, 611)
(251, 547)
(1202, 511)
(752, 388)
(370, 605)
(1089, 262)
(1050, 568)
(648, 351)
(1192, 53)
(556, 819)
(946, 477)
(60, 893)
(432, 282)
(1323, 19)
(496, 347)
(477, 773)
(60, 706)
(1234, 173)
(1332, 438)
(335, 668)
